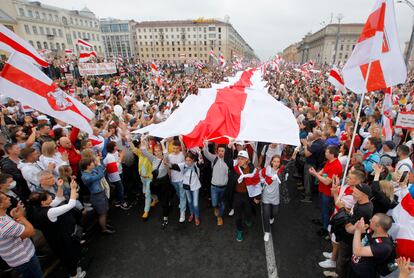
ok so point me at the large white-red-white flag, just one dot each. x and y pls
(376, 62)
(26, 83)
(336, 80)
(85, 56)
(84, 43)
(10, 42)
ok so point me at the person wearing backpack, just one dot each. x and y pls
(373, 253)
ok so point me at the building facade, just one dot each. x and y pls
(290, 53)
(189, 40)
(118, 37)
(52, 28)
(320, 46)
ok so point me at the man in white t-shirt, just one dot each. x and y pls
(404, 163)
(268, 152)
(176, 157)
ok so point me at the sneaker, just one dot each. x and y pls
(239, 236)
(87, 204)
(81, 273)
(216, 212)
(328, 273)
(124, 206)
(219, 221)
(190, 219)
(145, 215)
(231, 213)
(327, 264)
(197, 222)
(248, 223)
(110, 227)
(266, 237)
(117, 205)
(306, 200)
(154, 203)
(87, 209)
(108, 232)
(164, 224)
(327, 255)
(271, 221)
(182, 217)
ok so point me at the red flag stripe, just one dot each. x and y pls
(375, 23)
(19, 48)
(376, 76)
(32, 84)
(336, 75)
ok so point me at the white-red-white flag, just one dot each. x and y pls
(336, 80)
(376, 62)
(154, 68)
(222, 60)
(68, 51)
(85, 56)
(213, 55)
(84, 43)
(26, 83)
(10, 42)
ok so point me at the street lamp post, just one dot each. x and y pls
(339, 17)
(411, 42)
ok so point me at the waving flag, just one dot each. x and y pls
(222, 60)
(68, 51)
(10, 42)
(387, 129)
(154, 69)
(239, 109)
(336, 80)
(213, 55)
(85, 56)
(84, 43)
(377, 53)
(26, 83)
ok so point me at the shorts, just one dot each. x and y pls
(99, 202)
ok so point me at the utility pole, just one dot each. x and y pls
(339, 17)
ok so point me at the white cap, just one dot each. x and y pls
(241, 143)
(336, 119)
(243, 154)
(42, 118)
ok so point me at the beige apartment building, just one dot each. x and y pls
(189, 40)
(52, 28)
(320, 46)
(290, 53)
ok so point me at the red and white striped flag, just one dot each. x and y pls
(10, 42)
(222, 60)
(200, 65)
(387, 128)
(213, 55)
(68, 51)
(85, 56)
(26, 83)
(336, 80)
(154, 68)
(376, 61)
(84, 43)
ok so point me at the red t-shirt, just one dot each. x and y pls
(331, 168)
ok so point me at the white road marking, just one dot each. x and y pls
(270, 258)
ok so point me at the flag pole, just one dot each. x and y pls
(351, 147)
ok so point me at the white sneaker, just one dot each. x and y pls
(271, 221)
(182, 217)
(266, 237)
(79, 274)
(327, 264)
(328, 273)
(231, 213)
(327, 255)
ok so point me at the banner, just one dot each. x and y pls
(96, 68)
(405, 120)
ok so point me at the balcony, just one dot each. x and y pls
(50, 36)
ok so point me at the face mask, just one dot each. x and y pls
(12, 185)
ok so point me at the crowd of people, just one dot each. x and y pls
(53, 176)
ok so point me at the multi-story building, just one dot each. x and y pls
(118, 37)
(320, 46)
(290, 53)
(52, 28)
(190, 40)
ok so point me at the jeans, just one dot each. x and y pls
(192, 199)
(178, 186)
(242, 209)
(119, 191)
(31, 269)
(217, 198)
(326, 204)
(269, 211)
(308, 180)
(146, 189)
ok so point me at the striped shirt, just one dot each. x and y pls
(13, 250)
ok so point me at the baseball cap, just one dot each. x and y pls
(243, 154)
(241, 143)
(364, 188)
(336, 119)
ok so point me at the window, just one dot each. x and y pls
(93, 36)
(81, 22)
(37, 14)
(21, 12)
(26, 28)
(54, 31)
(79, 35)
(30, 13)
(34, 28)
(83, 35)
(219, 29)
(211, 28)
(63, 46)
(71, 20)
(65, 20)
(44, 16)
(74, 34)
(45, 46)
(51, 46)
(60, 33)
(56, 18)
(342, 47)
(58, 46)
(39, 45)
(97, 37)
(347, 48)
(47, 31)
(50, 17)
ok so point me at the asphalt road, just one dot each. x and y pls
(142, 249)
